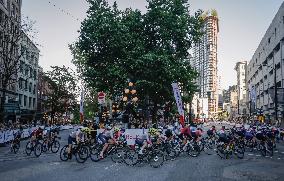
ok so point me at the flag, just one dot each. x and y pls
(178, 102)
(82, 106)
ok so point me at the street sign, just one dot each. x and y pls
(101, 97)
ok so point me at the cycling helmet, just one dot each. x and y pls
(85, 129)
(152, 131)
(160, 129)
(116, 129)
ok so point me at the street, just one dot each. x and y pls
(49, 167)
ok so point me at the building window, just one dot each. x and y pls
(31, 72)
(26, 85)
(30, 102)
(35, 76)
(25, 100)
(20, 83)
(34, 101)
(20, 99)
(34, 91)
(30, 87)
(268, 40)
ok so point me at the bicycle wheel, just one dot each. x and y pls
(209, 148)
(221, 151)
(55, 145)
(29, 148)
(270, 148)
(95, 153)
(64, 153)
(118, 155)
(193, 150)
(131, 157)
(38, 149)
(156, 159)
(44, 146)
(239, 152)
(262, 149)
(82, 154)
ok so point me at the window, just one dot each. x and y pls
(275, 32)
(265, 77)
(35, 76)
(25, 100)
(34, 101)
(34, 91)
(20, 99)
(20, 83)
(30, 87)
(1, 16)
(22, 67)
(268, 40)
(30, 102)
(26, 85)
(31, 72)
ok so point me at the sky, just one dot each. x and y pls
(242, 24)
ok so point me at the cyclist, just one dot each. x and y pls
(37, 134)
(107, 138)
(211, 131)
(75, 136)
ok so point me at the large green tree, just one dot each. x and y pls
(150, 49)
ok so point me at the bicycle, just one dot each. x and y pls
(51, 144)
(152, 155)
(115, 151)
(15, 144)
(34, 146)
(80, 151)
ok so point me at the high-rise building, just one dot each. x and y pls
(241, 68)
(266, 72)
(205, 62)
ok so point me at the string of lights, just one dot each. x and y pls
(64, 11)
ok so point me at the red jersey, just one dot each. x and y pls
(37, 132)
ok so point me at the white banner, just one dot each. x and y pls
(132, 134)
(178, 99)
(9, 135)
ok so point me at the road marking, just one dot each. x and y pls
(266, 156)
(257, 155)
(250, 154)
(275, 151)
(278, 158)
(282, 152)
(106, 168)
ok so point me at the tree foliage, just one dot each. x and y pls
(150, 49)
(63, 90)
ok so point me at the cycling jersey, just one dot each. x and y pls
(74, 134)
(37, 133)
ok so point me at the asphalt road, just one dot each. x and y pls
(48, 167)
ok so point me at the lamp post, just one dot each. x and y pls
(129, 97)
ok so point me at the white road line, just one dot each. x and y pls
(250, 154)
(275, 151)
(278, 158)
(257, 155)
(282, 152)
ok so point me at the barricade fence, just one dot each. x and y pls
(8, 135)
